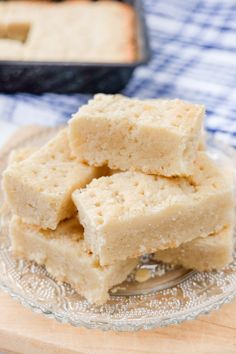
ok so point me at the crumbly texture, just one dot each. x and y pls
(153, 136)
(18, 155)
(92, 31)
(64, 254)
(5, 216)
(39, 188)
(129, 213)
(202, 254)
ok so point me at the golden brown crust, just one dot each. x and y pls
(111, 38)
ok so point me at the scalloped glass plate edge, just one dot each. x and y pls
(115, 325)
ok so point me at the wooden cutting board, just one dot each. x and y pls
(22, 331)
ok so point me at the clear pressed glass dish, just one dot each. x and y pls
(170, 294)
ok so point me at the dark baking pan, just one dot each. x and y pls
(66, 77)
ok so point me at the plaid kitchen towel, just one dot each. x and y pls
(193, 57)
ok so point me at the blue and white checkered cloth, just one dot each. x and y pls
(193, 58)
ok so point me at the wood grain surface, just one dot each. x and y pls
(22, 331)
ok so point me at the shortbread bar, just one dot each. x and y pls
(65, 256)
(153, 136)
(16, 155)
(202, 254)
(93, 31)
(129, 213)
(39, 188)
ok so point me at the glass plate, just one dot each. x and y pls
(170, 295)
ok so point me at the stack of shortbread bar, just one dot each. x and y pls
(125, 178)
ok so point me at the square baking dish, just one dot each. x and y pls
(72, 77)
